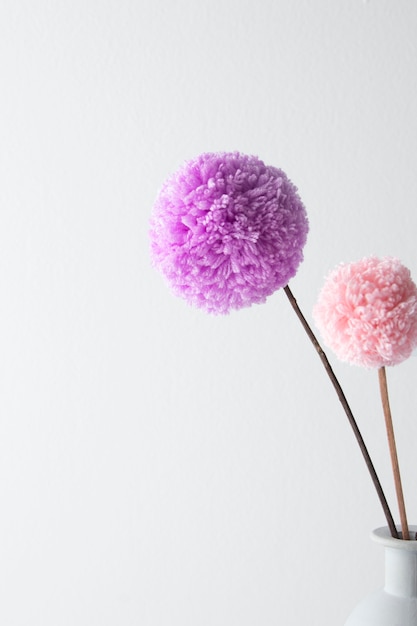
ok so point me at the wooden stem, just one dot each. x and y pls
(393, 450)
(348, 412)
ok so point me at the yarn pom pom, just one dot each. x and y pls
(367, 312)
(227, 231)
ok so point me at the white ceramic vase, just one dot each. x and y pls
(396, 603)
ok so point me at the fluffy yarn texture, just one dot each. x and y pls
(227, 231)
(367, 312)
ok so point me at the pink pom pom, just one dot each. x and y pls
(367, 312)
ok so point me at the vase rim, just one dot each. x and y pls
(383, 536)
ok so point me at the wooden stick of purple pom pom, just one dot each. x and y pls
(347, 409)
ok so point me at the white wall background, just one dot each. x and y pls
(158, 466)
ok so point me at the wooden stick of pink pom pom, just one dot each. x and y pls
(393, 450)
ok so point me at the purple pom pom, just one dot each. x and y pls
(227, 231)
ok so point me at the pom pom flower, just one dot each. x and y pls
(227, 231)
(367, 312)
